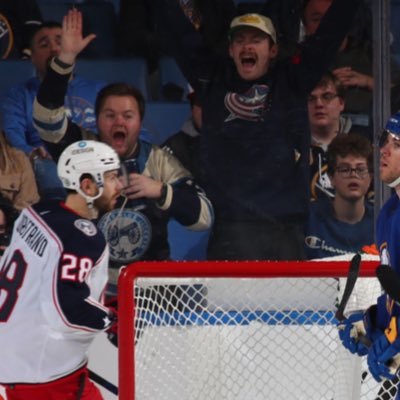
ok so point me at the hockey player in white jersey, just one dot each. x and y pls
(52, 279)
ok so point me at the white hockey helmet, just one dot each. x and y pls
(86, 157)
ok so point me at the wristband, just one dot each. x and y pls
(163, 196)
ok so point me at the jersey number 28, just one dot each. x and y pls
(11, 278)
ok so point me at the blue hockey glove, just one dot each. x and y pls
(384, 355)
(350, 331)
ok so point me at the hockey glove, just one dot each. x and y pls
(350, 331)
(384, 355)
(112, 331)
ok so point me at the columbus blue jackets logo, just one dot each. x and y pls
(87, 227)
(6, 37)
(250, 106)
(128, 233)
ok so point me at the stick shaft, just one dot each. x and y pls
(352, 276)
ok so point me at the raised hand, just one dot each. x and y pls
(72, 40)
(350, 78)
(350, 330)
(142, 186)
(384, 356)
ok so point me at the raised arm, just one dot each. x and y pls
(49, 114)
(72, 40)
(319, 50)
(184, 42)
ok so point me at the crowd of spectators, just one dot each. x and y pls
(275, 158)
(260, 166)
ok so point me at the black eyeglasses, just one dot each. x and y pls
(325, 98)
(346, 171)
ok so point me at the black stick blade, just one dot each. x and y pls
(389, 280)
(352, 276)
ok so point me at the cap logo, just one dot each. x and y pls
(250, 19)
(257, 21)
(82, 150)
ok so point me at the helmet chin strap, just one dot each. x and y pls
(395, 183)
(90, 199)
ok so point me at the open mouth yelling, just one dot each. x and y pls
(119, 138)
(248, 61)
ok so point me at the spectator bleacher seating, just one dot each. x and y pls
(171, 77)
(99, 17)
(163, 119)
(53, 10)
(130, 70)
(13, 73)
(186, 244)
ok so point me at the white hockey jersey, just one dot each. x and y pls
(52, 278)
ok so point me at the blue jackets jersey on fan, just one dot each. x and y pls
(255, 135)
(185, 201)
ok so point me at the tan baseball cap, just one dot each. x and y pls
(258, 21)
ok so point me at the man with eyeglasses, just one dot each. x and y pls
(344, 224)
(325, 105)
(381, 322)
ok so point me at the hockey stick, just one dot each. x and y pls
(103, 382)
(352, 276)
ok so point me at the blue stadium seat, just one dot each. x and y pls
(53, 10)
(171, 74)
(163, 119)
(130, 70)
(14, 72)
(99, 17)
(185, 244)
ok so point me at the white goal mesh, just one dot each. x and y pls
(240, 331)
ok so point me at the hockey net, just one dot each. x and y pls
(240, 331)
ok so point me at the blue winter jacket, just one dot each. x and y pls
(16, 110)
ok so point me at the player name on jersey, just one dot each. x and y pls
(32, 235)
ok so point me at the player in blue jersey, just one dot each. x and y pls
(52, 281)
(380, 323)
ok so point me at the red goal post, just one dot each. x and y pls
(251, 270)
